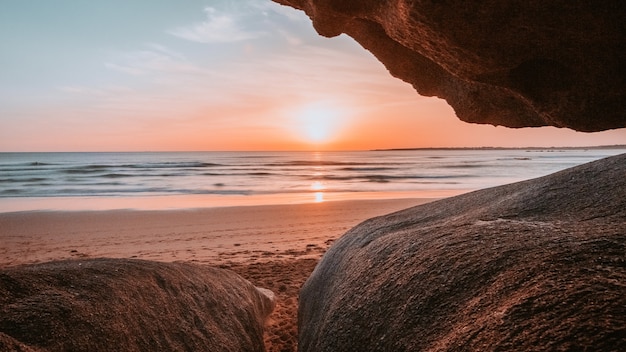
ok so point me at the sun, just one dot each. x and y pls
(319, 123)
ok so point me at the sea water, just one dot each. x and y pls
(165, 180)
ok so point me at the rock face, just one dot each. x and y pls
(129, 305)
(515, 63)
(535, 265)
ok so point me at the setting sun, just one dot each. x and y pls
(320, 122)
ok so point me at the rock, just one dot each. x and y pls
(129, 305)
(7, 343)
(515, 63)
(534, 265)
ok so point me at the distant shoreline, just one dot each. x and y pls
(616, 146)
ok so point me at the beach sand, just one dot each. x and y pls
(273, 246)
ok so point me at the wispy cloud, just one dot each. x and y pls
(125, 69)
(153, 59)
(267, 7)
(165, 50)
(219, 27)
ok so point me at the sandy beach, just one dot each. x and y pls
(273, 246)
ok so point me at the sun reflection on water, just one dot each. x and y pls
(318, 187)
(319, 197)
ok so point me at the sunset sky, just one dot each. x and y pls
(152, 75)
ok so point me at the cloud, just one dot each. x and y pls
(125, 69)
(267, 8)
(219, 27)
(155, 59)
(163, 49)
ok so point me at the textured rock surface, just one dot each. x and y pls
(535, 265)
(515, 63)
(129, 305)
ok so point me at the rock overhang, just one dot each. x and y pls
(515, 64)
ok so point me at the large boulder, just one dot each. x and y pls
(513, 63)
(129, 305)
(534, 265)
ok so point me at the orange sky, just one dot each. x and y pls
(214, 75)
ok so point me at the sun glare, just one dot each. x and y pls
(319, 123)
(317, 186)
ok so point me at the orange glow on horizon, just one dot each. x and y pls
(264, 80)
(410, 122)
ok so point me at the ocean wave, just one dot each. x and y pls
(381, 178)
(96, 168)
(23, 180)
(88, 169)
(463, 166)
(113, 192)
(5, 168)
(11, 192)
(318, 163)
(173, 165)
(22, 166)
(116, 175)
(37, 163)
(375, 168)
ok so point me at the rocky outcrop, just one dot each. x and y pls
(129, 305)
(535, 265)
(515, 63)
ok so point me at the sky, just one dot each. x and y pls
(165, 75)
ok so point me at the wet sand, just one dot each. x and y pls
(273, 246)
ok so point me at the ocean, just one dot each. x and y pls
(170, 180)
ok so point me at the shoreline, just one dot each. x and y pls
(204, 201)
(203, 235)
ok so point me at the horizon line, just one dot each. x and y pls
(612, 146)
